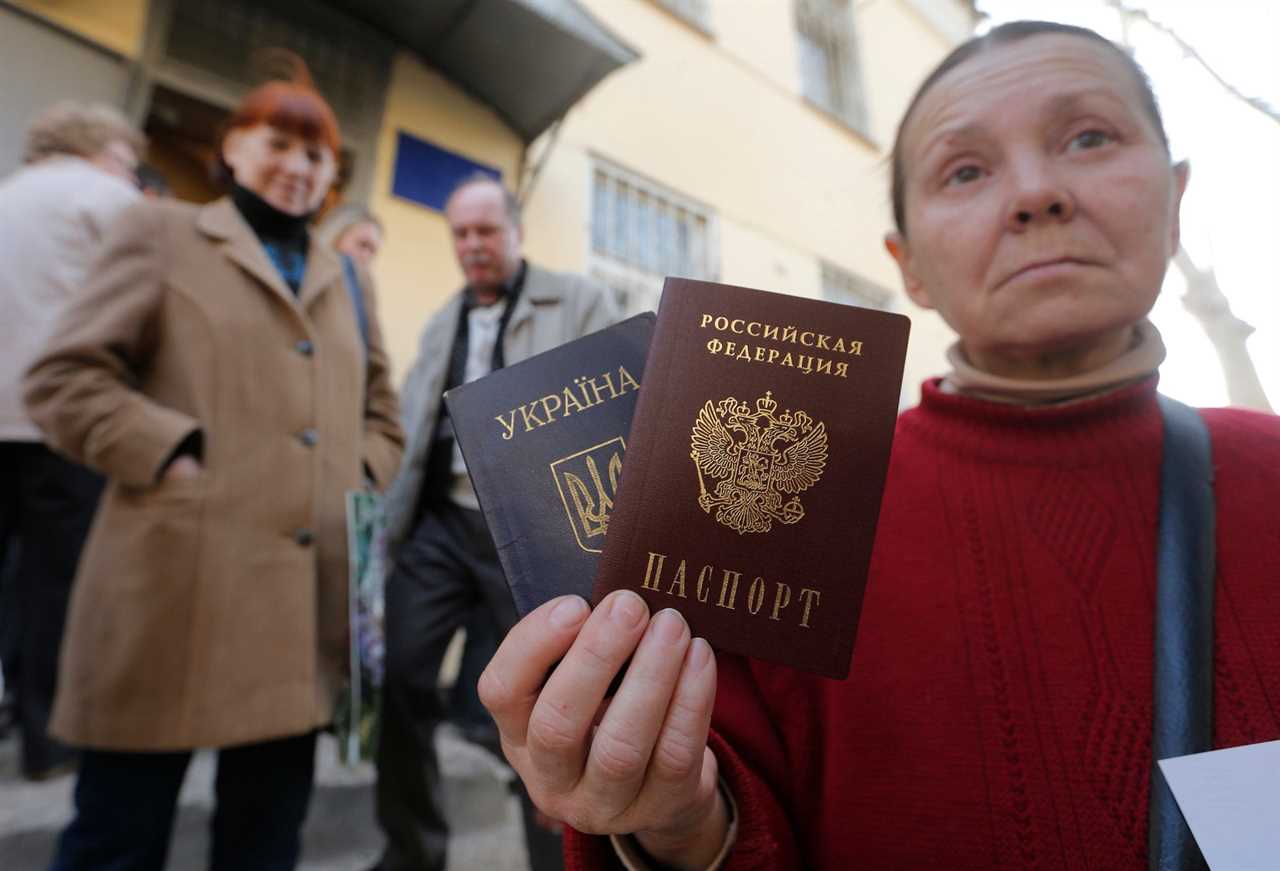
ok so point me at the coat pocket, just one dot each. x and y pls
(148, 537)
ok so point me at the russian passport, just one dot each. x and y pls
(544, 441)
(755, 467)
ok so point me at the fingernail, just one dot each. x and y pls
(699, 654)
(627, 609)
(568, 612)
(668, 626)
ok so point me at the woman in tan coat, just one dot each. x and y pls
(215, 371)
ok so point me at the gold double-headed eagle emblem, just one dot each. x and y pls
(755, 456)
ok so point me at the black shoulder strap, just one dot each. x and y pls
(357, 299)
(1185, 569)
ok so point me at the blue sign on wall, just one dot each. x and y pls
(427, 173)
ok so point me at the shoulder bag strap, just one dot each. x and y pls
(1185, 569)
(357, 299)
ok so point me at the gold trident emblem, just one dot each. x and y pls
(587, 482)
(754, 456)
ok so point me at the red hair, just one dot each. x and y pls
(293, 107)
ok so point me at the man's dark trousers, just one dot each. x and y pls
(47, 505)
(441, 571)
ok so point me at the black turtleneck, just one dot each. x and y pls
(284, 236)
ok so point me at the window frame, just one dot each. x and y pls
(829, 28)
(844, 286)
(634, 262)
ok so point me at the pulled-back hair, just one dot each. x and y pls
(79, 129)
(997, 37)
(342, 219)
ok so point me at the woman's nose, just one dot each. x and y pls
(1038, 197)
(295, 161)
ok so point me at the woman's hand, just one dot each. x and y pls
(636, 764)
(184, 467)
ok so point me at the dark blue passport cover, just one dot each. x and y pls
(544, 441)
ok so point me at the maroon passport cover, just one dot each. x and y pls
(755, 467)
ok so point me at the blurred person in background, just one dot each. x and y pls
(76, 179)
(352, 230)
(214, 370)
(152, 182)
(999, 714)
(443, 562)
(357, 233)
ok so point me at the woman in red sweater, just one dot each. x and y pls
(998, 713)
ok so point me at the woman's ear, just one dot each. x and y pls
(896, 244)
(231, 149)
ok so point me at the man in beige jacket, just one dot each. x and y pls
(444, 562)
(78, 176)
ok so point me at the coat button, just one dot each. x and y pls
(304, 347)
(309, 437)
(304, 537)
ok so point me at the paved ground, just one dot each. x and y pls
(340, 833)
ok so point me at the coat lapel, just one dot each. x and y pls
(538, 291)
(323, 269)
(221, 220)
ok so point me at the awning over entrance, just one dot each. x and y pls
(530, 60)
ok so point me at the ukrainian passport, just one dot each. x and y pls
(755, 467)
(544, 440)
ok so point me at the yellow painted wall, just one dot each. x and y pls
(899, 48)
(416, 270)
(115, 24)
(749, 31)
(557, 217)
(753, 259)
(719, 119)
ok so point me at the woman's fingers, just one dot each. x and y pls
(682, 771)
(510, 684)
(561, 722)
(639, 760)
(182, 468)
(624, 742)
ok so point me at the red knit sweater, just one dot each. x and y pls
(998, 713)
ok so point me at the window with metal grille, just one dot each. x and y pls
(830, 76)
(696, 12)
(843, 286)
(642, 232)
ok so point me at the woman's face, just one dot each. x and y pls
(1040, 205)
(288, 171)
(360, 242)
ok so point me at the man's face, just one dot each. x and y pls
(485, 239)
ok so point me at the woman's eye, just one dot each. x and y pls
(1089, 139)
(964, 174)
(313, 155)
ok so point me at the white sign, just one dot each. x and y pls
(1231, 800)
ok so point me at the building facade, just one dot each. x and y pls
(742, 141)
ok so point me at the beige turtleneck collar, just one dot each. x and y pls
(1143, 357)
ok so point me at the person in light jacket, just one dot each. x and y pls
(444, 561)
(215, 370)
(77, 177)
